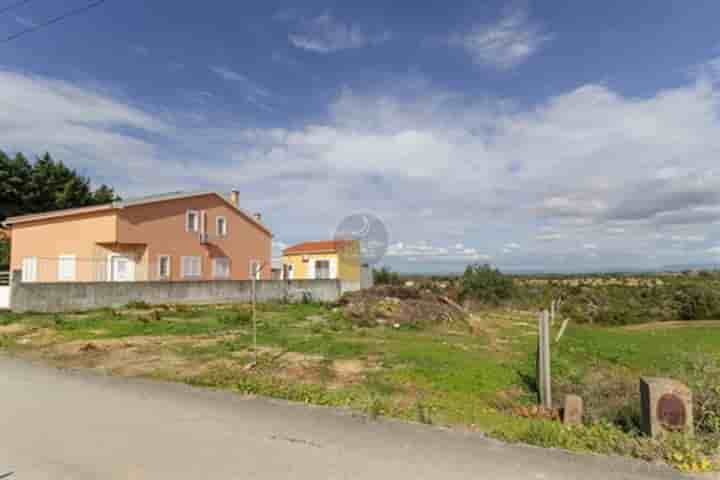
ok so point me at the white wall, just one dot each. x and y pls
(4, 297)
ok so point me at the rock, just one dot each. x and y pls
(572, 410)
(666, 406)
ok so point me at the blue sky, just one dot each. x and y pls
(533, 135)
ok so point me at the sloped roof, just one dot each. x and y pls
(322, 246)
(132, 202)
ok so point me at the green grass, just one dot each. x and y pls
(422, 374)
(651, 351)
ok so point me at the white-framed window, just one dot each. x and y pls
(67, 267)
(322, 269)
(221, 267)
(221, 226)
(191, 267)
(255, 269)
(164, 267)
(192, 221)
(29, 269)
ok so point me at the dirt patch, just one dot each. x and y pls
(13, 329)
(397, 306)
(348, 372)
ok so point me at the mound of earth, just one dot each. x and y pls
(399, 305)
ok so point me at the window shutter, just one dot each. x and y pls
(333, 268)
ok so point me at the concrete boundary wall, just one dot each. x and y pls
(66, 296)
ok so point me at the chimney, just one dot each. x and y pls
(258, 217)
(235, 197)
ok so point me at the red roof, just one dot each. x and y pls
(316, 247)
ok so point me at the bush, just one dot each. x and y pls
(486, 284)
(138, 305)
(385, 276)
(704, 381)
(697, 302)
(235, 318)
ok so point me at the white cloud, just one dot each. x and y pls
(583, 165)
(714, 250)
(504, 44)
(326, 34)
(25, 22)
(255, 94)
(688, 238)
(551, 237)
(433, 253)
(86, 127)
(590, 246)
(512, 246)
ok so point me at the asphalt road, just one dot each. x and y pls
(64, 425)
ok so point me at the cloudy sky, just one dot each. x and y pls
(532, 135)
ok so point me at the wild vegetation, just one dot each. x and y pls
(476, 371)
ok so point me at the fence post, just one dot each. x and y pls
(543, 360)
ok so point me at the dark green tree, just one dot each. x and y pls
(43, 186)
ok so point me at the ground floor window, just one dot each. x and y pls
(191, 267)
(29, 269)
(322, 269)
(221, 267)
(164, 266)
(66, 268)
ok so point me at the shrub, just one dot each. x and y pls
(385, 276)
(235, 318)
(704, 381)
(486, 284)
(697, 302)
(138, 305)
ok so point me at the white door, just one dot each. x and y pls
(122, 269)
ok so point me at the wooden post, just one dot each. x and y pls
(552, 313)
(543, 369)
(256, 269)
(562, 330)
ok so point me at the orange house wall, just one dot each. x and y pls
(48, 239)
(145, 231)
(161, 226)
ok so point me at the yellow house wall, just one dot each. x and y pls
(300, 268)
(347, 268)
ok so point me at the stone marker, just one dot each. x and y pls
(666, 406)
(572, 410)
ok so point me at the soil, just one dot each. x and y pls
(397, 306)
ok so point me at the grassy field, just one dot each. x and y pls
(468, 374)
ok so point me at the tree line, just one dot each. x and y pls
(43, 185)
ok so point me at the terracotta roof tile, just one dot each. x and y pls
(314, 247)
